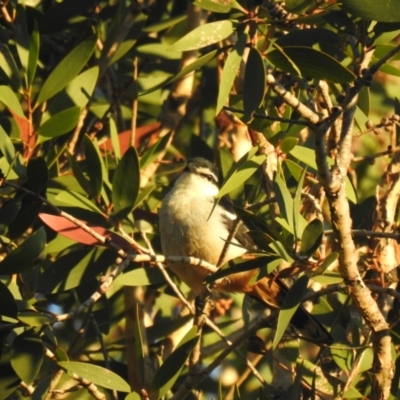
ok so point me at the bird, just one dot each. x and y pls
(192, 223)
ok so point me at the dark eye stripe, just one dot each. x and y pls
(209, 177)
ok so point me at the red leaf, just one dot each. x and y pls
(65, 227)
(142, 133)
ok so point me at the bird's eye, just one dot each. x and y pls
(210, 178)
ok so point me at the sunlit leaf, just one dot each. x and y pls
(67, 69)
(241, 171)
(59, 124)
(99, 376)
(141, 277)
(11, 101)
(6, 146)
(229, 72)
(204, 35)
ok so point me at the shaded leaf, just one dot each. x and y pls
(312, 237)
(229, 72)
(169, 371)
(27, 354)
(204, 35)
(94, 166)
(9, 379)
(8, 306)
(126, 184)
(22, 38)
(59, 124)
(75, 268)
(310, 62)
(9, 67)
(139, 346)
(34, 47)
(37, 174)
(285, 202)
(370, 9)
(67, 69)
(254, 83)
(24, 256)
(290, 304)
(99, 376)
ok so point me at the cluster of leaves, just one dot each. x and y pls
(74, 200)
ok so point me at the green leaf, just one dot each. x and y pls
(9, 67)
(281, 251)
(204, 35)
(285, 202)
(366, 360)
(59, 124)
(9, 379)
(141, 277)
(6, 146)
(75, 268)
(194, 66)
(139, 346)
(363, 101)
(67, 70)
(27, 354)
(24, 256)
(254, 83)
(33, 318)
(229, 72)
(8, 306)
(126, 184)
(218, 6)
(154, 151)
(37, 174)
(114, 139)
(290, 305)
(298, 220)
(72, 199)
(34, 47)
(310, 62)
(11, 101)
(342, 354)
(22, 38)
(170, 370)
(288, 143)
(241, 171)
(133, 396)
(99, 376)
(352, 393)
(312, 237)
(94, 166)
(81, 88)
(373, 10)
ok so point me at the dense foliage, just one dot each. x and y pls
(295, 102)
